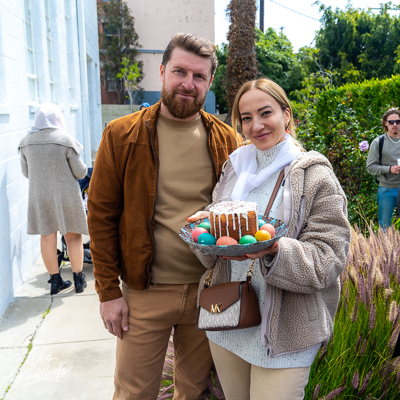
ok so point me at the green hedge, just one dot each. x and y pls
(335, 122)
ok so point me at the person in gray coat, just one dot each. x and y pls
(50, 160)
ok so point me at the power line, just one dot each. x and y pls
(304, 15)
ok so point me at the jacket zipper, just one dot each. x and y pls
(209, 150)
(154, 207)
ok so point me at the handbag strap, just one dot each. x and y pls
(249, 274)
(274, 193)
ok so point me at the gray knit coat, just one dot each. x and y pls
(50, 160)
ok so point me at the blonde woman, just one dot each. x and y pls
(50, 160)
(297, 278)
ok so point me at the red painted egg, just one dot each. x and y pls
(226, 241)
(270, 228)
(197, 232)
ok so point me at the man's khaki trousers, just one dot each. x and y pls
(141, 351)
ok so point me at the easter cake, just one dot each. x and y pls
(234, 219)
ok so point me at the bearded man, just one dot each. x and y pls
(153, 169)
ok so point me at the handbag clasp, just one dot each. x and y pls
(215, 308)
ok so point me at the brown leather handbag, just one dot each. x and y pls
(231, 305)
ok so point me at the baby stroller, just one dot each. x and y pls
(62, 254)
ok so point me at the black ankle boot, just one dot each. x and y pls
(57, 283)
(80, 281)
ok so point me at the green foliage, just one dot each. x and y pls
(334, 122)
(117, 41)
(130, 75)
(358, 44)
(277, 61)
(218, 84)
(357, 361)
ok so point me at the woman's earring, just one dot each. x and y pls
(286, 127)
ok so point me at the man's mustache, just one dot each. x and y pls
(187, 92)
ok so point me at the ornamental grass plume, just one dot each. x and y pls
(366, 325)
(366, 328)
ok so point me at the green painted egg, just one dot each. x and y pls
(205, 225)
(207, 239)
(247, 239)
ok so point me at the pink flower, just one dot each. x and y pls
(363, 146)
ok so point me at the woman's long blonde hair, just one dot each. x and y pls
(272, 89)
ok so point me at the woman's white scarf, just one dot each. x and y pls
(244, 162)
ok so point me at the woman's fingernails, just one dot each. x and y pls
(246, 256)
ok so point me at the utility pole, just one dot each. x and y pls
(282, 28)
(262, 16)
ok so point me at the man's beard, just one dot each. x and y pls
(179, 107)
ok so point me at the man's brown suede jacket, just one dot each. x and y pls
(122, 197)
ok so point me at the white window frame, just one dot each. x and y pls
(50, 58)
(68, 34)
(31, 75)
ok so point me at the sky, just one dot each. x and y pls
(299, 29)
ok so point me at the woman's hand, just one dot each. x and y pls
(198, 215)
(272, 250)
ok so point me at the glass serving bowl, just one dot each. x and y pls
(235, 249)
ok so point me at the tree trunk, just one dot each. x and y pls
(241, 64)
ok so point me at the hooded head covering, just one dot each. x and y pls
(47, 116)
(50, 116)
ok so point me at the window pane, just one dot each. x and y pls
(52, 94)
(31, 63)
(28, 30)
(27, 10)
(49, 52)
(32, 89)
(51, 71)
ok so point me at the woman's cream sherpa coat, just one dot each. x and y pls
(303, 286)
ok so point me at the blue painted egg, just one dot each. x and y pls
(260, 223)
(207, 239)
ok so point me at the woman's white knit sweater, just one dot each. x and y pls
(246, 343)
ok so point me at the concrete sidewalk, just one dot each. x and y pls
(55, 346)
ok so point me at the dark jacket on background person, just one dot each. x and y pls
(122, 197)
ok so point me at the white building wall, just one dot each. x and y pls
(18, 251)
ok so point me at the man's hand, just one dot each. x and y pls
(395, 169)
(198, 215)
(114, 314)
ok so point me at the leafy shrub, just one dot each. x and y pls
(334, 122)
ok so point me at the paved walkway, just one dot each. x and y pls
(55, 347)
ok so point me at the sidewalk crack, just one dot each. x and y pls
(29, 348)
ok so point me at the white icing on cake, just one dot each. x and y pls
(238, 207)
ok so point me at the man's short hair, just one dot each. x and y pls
(193, 44)
(394, 110)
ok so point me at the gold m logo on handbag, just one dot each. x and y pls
(215, 308)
